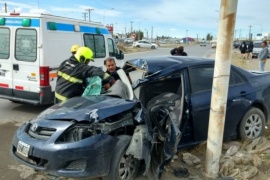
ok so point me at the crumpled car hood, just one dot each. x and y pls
(80, 108)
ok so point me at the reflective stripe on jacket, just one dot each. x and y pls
(71, 76)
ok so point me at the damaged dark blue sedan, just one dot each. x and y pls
(166, 107)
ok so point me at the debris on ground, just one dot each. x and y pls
(239, 160)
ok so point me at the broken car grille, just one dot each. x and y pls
(41, 132)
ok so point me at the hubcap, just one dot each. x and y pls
(127, 167)
(253, 126)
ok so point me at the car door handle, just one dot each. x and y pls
(16, 67)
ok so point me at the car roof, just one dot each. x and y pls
(166, 63)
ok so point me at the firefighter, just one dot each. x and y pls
(72, 73)
(74, 49)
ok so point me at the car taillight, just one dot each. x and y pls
(44, 75)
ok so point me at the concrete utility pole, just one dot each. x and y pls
(131, 26)
(152, 31)
(220, 86)
(84, 15)
(89, 13)
(239, 34)
(249, 35)
(5, 7)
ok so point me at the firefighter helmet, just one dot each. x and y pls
(84, 54)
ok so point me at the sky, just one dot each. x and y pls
(174, 18)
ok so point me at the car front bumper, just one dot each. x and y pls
(89, 157)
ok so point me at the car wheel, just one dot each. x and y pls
(153, 47)
(252, 124)
(123, 167)
(138, 46)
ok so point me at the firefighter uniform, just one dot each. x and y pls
(72, 74)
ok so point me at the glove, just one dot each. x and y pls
(107, 83)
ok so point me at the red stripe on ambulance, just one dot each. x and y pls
(19, 87)
(4, 85)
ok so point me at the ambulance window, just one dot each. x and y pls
(4, 43)
(96, 43)
(111, 47)
(26, 45)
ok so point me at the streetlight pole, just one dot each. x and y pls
(235, 31)
(220, 87)
(186, 36)
(249, 38)
(139, 34)
(131, 26)
(260, 29)
(240, 34)
(104, 14)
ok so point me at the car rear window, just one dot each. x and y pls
(201, 78)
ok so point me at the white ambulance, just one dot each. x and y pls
(33, 46)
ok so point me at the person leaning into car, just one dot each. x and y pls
(263, 55)
(72, 73)
(178, 51)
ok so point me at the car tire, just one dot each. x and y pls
(127, 164)
(153, 47)
(138, 46)
(252, 124)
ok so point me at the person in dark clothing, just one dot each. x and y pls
(178, 51)
(249, 50)
(243, 49)
(72, 73)
(112, 68)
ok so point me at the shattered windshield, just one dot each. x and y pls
(138, 63)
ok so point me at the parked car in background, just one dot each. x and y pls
(145, 44)
(129, 41)
(213, 44)
(257, 47)
(167, 106)
(236, 44)
(203, 43)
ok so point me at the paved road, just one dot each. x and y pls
(13, 115)
(196, 50)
